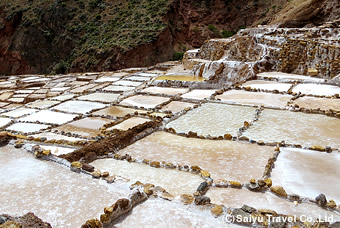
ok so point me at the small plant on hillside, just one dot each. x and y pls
(178, 56)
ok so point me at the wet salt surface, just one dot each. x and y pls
(308, 173)
(81, 107)
(51, 117)
(267, 85)
(315, 103)
(27, 127)
(174, 181)
(223, 159)
(117, 111)
(52, 192)
(213, 119)
(295, 128)
(290, 77)
(177, 106)
(165, 90)
(316, 89)
(255, 98)
(161, 213)
(236, 198)
(87, 127)
(144, 101)
(20, 112)
(129, 123)
(198, 94)
(102, 97)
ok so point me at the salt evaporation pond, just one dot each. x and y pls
(315, 103)
(174, 181)
(42, 104)
(138, 78)
(19, 112)
(213, 119)
(127, 83)
(102, 97)
(56, 150)
(190, 78)
(165, 90)
(290, 77)
(81, 107)
(255, 98)
(267, 85)
(177, 106)
(51, 117)
(64, 97)
(295, 128)
(27, 127)
(129, 123)
(144, 101)
(223, 159)
(4, 121)
(51, 136)
(107, 79)
(163, 213)
(198, 94)
(236, 198)
(316, 89)
(51, 191)
(308, 173)
(118, 88)
(87, 127)
(117, 111)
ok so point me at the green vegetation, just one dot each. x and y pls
(178, 56)
(226, 34)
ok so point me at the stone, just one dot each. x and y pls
(96, 174)
(108, 210)
(46, 152)
(235, 184)
(253, 187)
(196, 169)
(110, 179)
(11, 224)
(321, 200)
(203, 188)
(2, 220)
(241, 217)
(261, 183)
(137, 184)
(252, 181)
(278, 225)
(331, 204)
(105, 218)
(205, 174)
(105, 174)
(294, 197)
(228, 136)
(148, 189)
(88, 167)
(155, 164)
(279, 191)
(312, 72)
(217, 210)
(221, 183)
(248, 209)
(167, 196)
(202, 200)
(268, 182)
(318, 148)
(77, 165)
(187, 199)
(267, 212)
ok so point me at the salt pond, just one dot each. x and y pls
(27, 127)
(144, 101)
(267, 85)
(316, 89)
(102, 97)
(81, 107)
(315, 103)
(198, 94)
(117, 111)
(129, 123)
(51, 117)
(165, 90)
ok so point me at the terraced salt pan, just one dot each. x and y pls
(24, 91)
(57, 150)
(138, 78)
(63, 97)
(146, 74)
(190, 78)
(50, 136)
(267, 85)
(129, 123)
(290, 77)
(315, 103)
(81, 107)
(236, 198)
(101, 97)
(127, 83)
(172, 214)
(87, 127)
(255, 98)
(174, 181)
(42, 104)
(165, 90)
(27, 127)
(117, 111)
(199, 94)
(296, 128)
(51, 117)
(118, 88)
(82, 88)
(107, 79)
(4, 121)
(222, 158)
(6, 95)
(144, 101)
(20, 112)
(177, 106)
(16, 99)
(316, 89)
(213, 119)
(308, 173)
(59, 89)
(51, 191)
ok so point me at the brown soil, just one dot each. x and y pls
(115, 142)
(28, 220)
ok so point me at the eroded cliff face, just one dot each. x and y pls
(57, 36)
(313, 51)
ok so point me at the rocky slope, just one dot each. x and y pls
(96, 35)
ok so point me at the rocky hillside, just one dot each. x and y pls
(58, 36)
